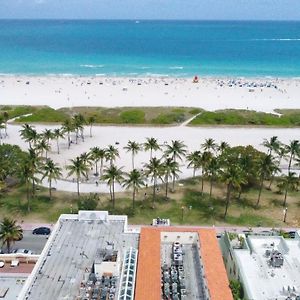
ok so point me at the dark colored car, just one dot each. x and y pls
(292, 234)
(42, 231)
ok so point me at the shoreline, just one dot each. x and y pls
(149, 75)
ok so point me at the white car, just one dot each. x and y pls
(22, 251)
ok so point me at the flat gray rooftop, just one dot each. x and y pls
(14, 285)
(72, 253)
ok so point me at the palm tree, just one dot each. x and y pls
(57, 134)
(222, 147)
(293, 149)
(96, 153)
(51, 171)
(209, 145)
(204, 162)
(87, 160)
(10, 232)
(134, 148)
(68, 127)
(154, 169)
(266, 167)
(111, 153)
(272, 145)
(288, 183)
(78, 168)
(42, 146)
(112, 174)
(281, 153)
(177, 149)
(152, 145)
(34, 163)
(78, 122)
(170, 168)
(212, 170)
(134, 179)
(29, 134)
(233, 177)
(194, 161)
(47, 134)
(91, 121)
(26, 176)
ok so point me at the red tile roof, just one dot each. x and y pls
(148, 282)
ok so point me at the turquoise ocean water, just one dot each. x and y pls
(139, 48)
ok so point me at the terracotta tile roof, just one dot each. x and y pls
(22, 268)
(148, 282)
(148, 285)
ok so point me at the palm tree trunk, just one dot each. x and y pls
(194, 172)
(8, 245)
(33, 188)
(150, 153)
(133, 198)
(202, 181)
(167, 186)
(110, 193)
(290, 162)
(96, 167)
(227, 200)
(285, 196)
(211, 186)
(113, 193)
(50, 189)
(260, 190)
(154, 192)
(91, 131)
(101, 167)
(57, 145)
(173, 184)
(132, 161)
(78, 193)
(69, 140)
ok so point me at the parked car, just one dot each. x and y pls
(22, 251)
(42, 231)
(292, 234)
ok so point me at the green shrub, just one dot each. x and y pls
(195, 111)
(133, 116)
(46, 114)
(89, 202)
(236, 289)
(169, 118)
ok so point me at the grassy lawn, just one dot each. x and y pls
(198, 208)
(289, 118)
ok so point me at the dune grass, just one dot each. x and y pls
(248, 118)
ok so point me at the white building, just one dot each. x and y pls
(267, 266)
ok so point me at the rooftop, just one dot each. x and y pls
(264, 279)
(201, 250)
(70, 253)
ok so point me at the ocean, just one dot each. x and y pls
(150, 48)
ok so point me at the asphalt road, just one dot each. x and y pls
(30, 241)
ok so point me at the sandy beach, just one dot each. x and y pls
(265, 94)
